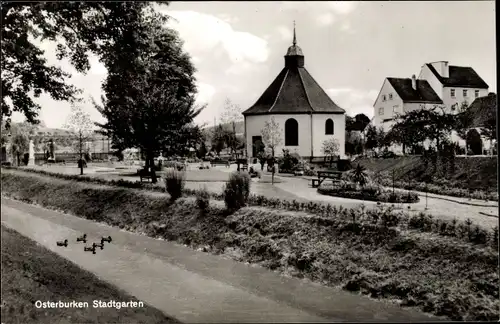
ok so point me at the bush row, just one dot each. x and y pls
(370, 193)
(236, 194)
(440, 189)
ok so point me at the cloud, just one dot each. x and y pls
(325, 19)
(342, 7)
(229, 19)
(325, 13)
(285, 33)
(354, 101)
(205, 92)
(203, 34)
(346, 27)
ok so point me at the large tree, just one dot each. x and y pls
(426, 123)
(463, 122)
(80, 123)
(78, 28)
(330, 149)
(371, 138)
(271, 138)
(231, 115)
(218, 138)
(18, 135)
(403, 132)
(150, 93)
(489, 123)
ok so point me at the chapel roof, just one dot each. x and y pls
(294, 90)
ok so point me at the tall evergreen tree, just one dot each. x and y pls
(150, 93)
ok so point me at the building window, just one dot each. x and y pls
(329, 127)
(390, 96)
(476, 93)
(452, 93)
(465, 93)
(291, 132)
(395, 109)
(381, 111)
(383, 98)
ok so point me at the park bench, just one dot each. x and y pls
(144, 173)
(220, 162)
(334, 176)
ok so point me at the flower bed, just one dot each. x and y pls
(370, 193)
(442, 188)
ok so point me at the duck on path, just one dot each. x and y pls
(82, 238)
(62, 243)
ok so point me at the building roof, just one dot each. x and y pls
(294, 91)
(483, 109)
(460, 77)
(423, 94)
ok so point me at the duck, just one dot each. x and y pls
(62, 243)
(88, 249)
(82, 238)
(94, 245)
(106, 239)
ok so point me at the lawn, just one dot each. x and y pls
(212, 179)
(32, 273)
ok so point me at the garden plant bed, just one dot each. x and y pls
(382, 254)
(477, 173)
(370, 193)
(30, 272)
(446, 188)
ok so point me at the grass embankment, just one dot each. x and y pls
(474, 177)
(32, 273)
(356, 250)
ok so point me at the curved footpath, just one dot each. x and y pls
(449, 209)
(194, 286)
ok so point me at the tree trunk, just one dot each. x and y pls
(18, 158)
(272, 174)
(81, 155)
(153, 171)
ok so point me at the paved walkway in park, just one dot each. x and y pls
(291, 187)
(193, 286)
(486, 217)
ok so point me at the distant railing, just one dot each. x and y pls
(70, 157)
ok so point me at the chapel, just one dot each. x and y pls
(306, 115)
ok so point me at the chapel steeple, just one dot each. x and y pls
(294, 56)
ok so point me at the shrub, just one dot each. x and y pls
(310, 173)
(349, 190)
(237, 190)
(174, 182)
(203, 199)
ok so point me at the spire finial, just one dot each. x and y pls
(294, 37)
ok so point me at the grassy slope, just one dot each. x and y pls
(482, 171)
(31, 272)
(440, 275)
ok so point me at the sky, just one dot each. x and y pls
(349, 48)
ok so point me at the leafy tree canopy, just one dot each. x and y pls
(79, 28)
(150, 93)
